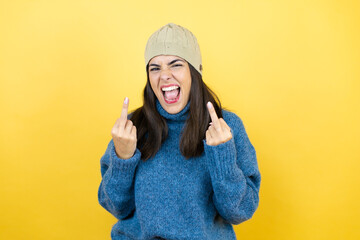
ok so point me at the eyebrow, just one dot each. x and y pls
(156, 65)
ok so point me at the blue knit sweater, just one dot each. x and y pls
(169, 197)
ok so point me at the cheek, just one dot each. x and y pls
(186, 90)
(187, 86)
(184, 78)
(153, 85)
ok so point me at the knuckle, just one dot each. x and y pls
(123, 137)
(117, 134)
(126, 140)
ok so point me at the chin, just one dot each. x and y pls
(172, 109)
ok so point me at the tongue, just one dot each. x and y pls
(171, 94)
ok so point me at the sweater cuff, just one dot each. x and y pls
(124, 165)
(221, 161)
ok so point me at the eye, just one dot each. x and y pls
(177, 65)
(153, 69)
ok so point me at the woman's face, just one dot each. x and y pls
(170, 79)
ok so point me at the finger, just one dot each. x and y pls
(213, 132)
(223, 124)
(124, 112)
(133, 132)
(128, 127)
(214, 117)
(208, 137)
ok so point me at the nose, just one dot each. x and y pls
(165, 74)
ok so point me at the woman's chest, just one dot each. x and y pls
(171, 175)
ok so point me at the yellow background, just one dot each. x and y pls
(289, 69)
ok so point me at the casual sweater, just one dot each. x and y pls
(171, 197)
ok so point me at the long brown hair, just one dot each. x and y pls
(152, 129)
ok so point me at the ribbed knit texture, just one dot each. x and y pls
(173, 39)
(169, 197)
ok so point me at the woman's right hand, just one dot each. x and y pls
(124, 134)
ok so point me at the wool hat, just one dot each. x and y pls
(173, 39)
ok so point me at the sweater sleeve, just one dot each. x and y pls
(234, 174)
(116, 190)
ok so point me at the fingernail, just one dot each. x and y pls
(209, 105)
(210, 123)
(126, 101)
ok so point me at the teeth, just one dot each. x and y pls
(169, 88)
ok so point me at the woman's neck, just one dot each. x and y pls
(180, 116)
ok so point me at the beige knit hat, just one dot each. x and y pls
(173, 39)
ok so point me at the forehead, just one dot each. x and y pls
(164, 58)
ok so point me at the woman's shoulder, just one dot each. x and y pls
(231, 117)
(233, 120)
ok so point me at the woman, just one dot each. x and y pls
(180, 166)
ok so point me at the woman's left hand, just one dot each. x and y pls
(218, 131)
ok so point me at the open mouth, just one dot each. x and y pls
(171, 94)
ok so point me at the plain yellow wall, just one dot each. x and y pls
(289, 69)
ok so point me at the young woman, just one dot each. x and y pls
(180, 166)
